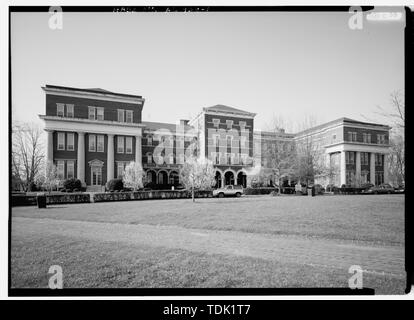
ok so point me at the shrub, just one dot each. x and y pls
(71, 184)
(114, 185)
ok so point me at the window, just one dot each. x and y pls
(128, 142)
(352, 136)
(100, 113)
(242, 124)
(171, 158)
(129, 116)
(216, 122)
(229, 124)
(92, 143)
(149, 140)
(61, 141)
(381, 138)
(70, 169)
(69, 110)
(350, 157)
(149, 158)
(378, 159)
(120, 169)
(91, 113)
(60, 110)
(100, 143)
(243, 142)
(120, 144)
(71, 142)
(61, 169)
(121, 115)
(229, 138)
(364, 158)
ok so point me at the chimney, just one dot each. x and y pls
(184, 122)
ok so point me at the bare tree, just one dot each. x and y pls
(48, 178)
(394, 116)
(310, 159)
(279, 153)
(27, 153)
(197, 173)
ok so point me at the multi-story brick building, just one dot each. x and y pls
(93, 133)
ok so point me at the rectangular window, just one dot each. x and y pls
(354, 136)
(121, 115)
(171, 158)
(368, 138)
(71, 142)
(92, 143)
(349, 136)
(69, 110)
(70, 169)
(229, 124)
(129, 116)
(91, 113)
(60, 110)
(100, 113)
(120, 169)
(350, 157)
(61, 169)
(229, 141)
(120, 144)
(149, 141)
(149, 158)
(216, 122)
(61, 141)
(128, 147)
(364, 137)
(100, 144)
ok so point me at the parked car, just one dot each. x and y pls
(228, 191)
(382, 188)
(399, 189)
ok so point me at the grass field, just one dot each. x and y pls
(109, 260)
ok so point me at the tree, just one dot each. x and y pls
(49, 179)
(133, 176)
(310, 159)
(394, 116)
(197, 173)
(279, 154)
(27, 153)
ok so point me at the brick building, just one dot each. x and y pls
(93, 133)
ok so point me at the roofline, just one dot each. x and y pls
(48, 86)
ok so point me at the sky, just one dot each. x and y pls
(276, 64)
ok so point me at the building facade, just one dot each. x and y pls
(92, 134)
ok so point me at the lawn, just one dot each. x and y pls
(374, 222)
(374, 218)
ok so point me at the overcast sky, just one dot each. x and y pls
(283, 64)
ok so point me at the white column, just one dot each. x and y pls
(372, 167)
(81, 157)
(49, 146)
(138, 150)
(358, 168)
(110, 161)
(385, 169)
(343, 168)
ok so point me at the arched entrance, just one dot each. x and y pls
(218, 179)
(162, 178)
(229, 178)
(174, 178)
(151, 176)
(242, 179)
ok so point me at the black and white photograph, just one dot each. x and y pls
(207, 148)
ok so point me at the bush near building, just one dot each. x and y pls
(115, 185)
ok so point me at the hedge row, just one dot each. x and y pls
(146, 195)
(256, 191)
(23, 200)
